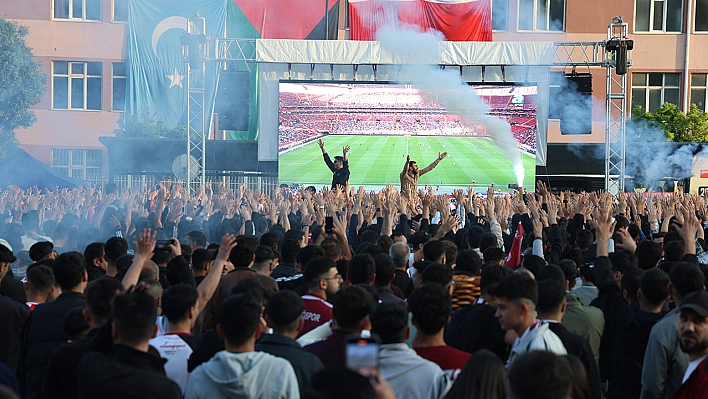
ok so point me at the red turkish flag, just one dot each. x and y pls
(458, 20)
(514, 258)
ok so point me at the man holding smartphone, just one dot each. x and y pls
(340, 166)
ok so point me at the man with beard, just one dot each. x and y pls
(410, 173)
(340, 167)
(693, 334)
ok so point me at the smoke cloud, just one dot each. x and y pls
(419, 50)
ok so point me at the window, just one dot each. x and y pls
(698, 90)
(701, 16)
(651, 90)
(118, 86)
(555, 87)
(658, 16)
(500, 15)
(76, 85)
(82, 10)
(80, 164)
(120, 10)
(543, 15)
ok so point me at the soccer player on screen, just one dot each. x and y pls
(410, 173)
(340, 166)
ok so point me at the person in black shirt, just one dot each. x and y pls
(283, 315)
(476, 327)
(340, 166)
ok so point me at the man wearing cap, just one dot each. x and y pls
(693, 336)
(340, 166)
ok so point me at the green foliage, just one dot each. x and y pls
(22, 84)
(147, 126)
(678, 127)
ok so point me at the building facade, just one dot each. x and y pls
(82, 45)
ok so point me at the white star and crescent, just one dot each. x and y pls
(175, 79)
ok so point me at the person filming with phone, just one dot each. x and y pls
(340, 166)
(174, 268)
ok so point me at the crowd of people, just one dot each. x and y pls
(218, 293)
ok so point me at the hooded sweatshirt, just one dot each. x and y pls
(243, 375)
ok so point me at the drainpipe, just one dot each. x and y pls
(686, 75)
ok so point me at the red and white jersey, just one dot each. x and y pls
(317, 312)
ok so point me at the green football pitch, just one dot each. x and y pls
(378, 160)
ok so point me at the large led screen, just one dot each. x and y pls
(385, 123)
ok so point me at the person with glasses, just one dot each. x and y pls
(323, 281)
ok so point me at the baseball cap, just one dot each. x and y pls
(696, 301)
(6, 244)
(339, 158)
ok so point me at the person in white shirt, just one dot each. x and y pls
(517, 296)
(181, 305)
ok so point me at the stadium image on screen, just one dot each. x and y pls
(383, 123)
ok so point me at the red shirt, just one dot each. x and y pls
(317, 312)
(696, 386)
(449, 359)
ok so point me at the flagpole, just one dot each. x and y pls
(326, 19)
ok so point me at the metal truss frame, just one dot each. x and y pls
(565, 54)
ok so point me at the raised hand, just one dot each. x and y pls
(321, 144)
(442, 156)
(345, 149)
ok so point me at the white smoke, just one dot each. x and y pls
(419, 50)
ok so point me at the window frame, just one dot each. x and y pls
(70, 166)
(665, 13)
(113, 13)
(71, 18)
(704, 88)
(113, 86)
(647, 87)
(535, 28)
(695, 19)
(506, 28)
(69, 75)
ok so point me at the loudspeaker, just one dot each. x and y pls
(232, 100)
(576, 104)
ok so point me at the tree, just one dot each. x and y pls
(678, 127)
(22, 84)
(147, 126)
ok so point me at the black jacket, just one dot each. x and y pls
(94, 272)
(304, 363)
(176, 272)
(14, 317)
(14, 289)
(341, 176)
(630, 346)
(60, 375)
(610, 300)
(402, 281)
(475, 327)
(124, 374)
(580, 348)
(43, 334)
(208, 345)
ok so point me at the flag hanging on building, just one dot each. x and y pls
(291, 19)
(457, 20)
(157, 75)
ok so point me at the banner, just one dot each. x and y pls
(157, 75)
(457, 20)
(276, 19)
(291, 19)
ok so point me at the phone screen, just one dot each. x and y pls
(329, 224)
(362, 356)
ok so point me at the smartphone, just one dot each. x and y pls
(329, 224)
(362, 354)
(163, 245)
